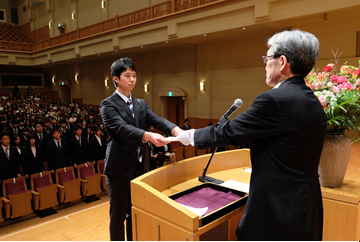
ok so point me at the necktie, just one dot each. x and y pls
(59, 147)
(131, 107)
(41, 138)
(7, 153)
(79, 142)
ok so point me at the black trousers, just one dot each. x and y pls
(120, 204)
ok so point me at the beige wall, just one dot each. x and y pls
(231, 67)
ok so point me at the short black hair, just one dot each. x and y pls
(77, 127)
(186, 120)
(96, 128)
(55, 129)
(63, 121)
(36, 123)
(4, 134)
(120, 66)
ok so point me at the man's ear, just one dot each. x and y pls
(284, 63)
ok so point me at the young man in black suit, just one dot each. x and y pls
(125, 120)
(42, 138)
(58, 154)
(97, 146)
(79, 148)
(285, 127)
(9, 160)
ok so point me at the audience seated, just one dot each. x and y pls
(31, 127)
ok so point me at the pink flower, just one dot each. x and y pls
(327, 68)
(334, 78)
(341, 79)
(347, 86)
(357, 83)
(357, 72)
(335, 89)
(323, 100)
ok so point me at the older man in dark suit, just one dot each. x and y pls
(285, 127)
(125, 120)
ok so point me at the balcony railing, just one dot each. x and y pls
(163, 9)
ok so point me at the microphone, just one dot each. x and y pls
(204, 178)
(238, 103)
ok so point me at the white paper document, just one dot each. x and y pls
(198, 211)
(248, 170)
(172, 139)
(236, 185)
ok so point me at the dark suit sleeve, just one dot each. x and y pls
(261, 120)
(67, 153)
(39, 156)
(17, 160)
(49, 156)
(24, 158)
(113, 121)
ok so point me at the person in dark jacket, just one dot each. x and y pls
(58, 153)
(9, 160)
(286, 128)
(79, 148)
(32, 158)
(97, 146)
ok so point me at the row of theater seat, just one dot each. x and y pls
(19, 201)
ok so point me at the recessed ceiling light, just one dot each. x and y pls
(244, 28)
(167, 42)
(142, 46)
(116, 51)
(98, 54)
(204, 34)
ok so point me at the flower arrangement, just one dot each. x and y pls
(338, 93)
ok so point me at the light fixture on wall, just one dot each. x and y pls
(50, 25)
(73, 16)
(103, 4)
(53, 79)
(146, 88)
(202, 86)
(106, 82)
(76, 77)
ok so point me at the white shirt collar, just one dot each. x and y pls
(277, 85)
(99, 139)
(5, 147)
(125, 98)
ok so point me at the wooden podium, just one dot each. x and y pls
(157, 217)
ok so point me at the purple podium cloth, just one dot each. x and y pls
(208, 197)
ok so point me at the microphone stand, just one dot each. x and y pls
(205, 178)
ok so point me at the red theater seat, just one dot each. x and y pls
(101, 166)
(17, 199)
(90, 181)
(44, 191)
(68, 185)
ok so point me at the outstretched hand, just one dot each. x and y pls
(155, 138)
(184, 137)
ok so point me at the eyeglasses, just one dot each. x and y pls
(265, 58)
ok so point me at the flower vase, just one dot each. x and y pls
(334, 160)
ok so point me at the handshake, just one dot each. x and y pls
(186, 137)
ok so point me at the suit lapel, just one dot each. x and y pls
(119, 101)
(136, 107)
